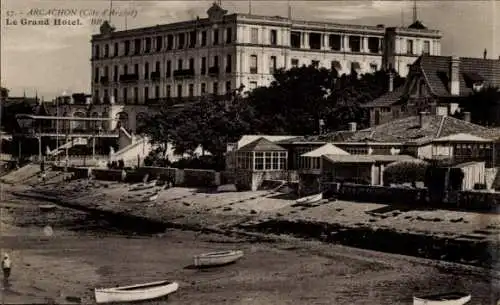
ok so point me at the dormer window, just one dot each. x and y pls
(477, 86)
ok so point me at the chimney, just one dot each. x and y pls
(485, 53)
(421, 118)
(466, 116)
(391, 81)
(352, 126)
(454, 76)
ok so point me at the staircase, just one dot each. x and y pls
(67, 145)
(133, 149)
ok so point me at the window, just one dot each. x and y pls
(268, 165)
(136, 95)
(182, 40)
(215, 88)
(148, 45)
(203, 65)
(409, 47)
(228, 87)
(157, 67)
(136, 69)
(216, 37)
(229, 35)
(179, 64)
(355, 43)
(146, 70)
(96, 94)
(259, 161)
(203, 38)
(335, 42)
(295, 39)
(282, 158)
(96, 51)
(191, 90)
(315, 63)
(272, 65)
(203, 88)
(169, 91)
(137, 46)
(373, 44)
(157, 91)
(116, 49)
(274, 37)
(373, 67)
(228, 63)
(169, 68)
(146, 94)
(315, 41)
(159, 43)
(179, 90)
(125, 69)
(254, 35)
(253, 64)
(124, 94)
(253, 85)
(115, 73)
(106, 71)
(96, 75)
(295, 63)
(427, 47)
(216, 61)
(106, 50)
(192, 39)
(126, 47)
(170, 42)
(191, 64)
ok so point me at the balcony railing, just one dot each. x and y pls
(213, 71)
(104, 80)
(155, 76)
(129, 78)
(186, 73)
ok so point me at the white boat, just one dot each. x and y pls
(453, 298)
(217, 258)
(143, 186)
(153, 197)
(134, 293)
(310, 199)
(47, 207)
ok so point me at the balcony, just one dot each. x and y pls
(186, 73)
(104, 80)
(213, 71)
(129, 78)
(155, 76)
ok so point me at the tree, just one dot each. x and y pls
(484, 106)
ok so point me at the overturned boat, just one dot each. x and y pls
(217, 258)
(310, 199)
(452, 298)
(133, 293)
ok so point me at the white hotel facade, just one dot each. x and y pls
(138, 68)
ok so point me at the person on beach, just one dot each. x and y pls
(6, 265)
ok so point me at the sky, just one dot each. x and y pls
(52, 59)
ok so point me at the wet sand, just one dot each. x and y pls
(84, 253)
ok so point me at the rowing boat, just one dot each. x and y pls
(217, 258)
(310, 199)
(132, 293)
(143, 186)
(453, 298)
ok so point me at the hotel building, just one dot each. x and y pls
(180, 61)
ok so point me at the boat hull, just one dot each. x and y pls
(135, 293)
(310, 199)
(451, 301)
(217, 258)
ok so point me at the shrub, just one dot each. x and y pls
(405, 172)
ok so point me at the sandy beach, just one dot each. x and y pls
(85, 252)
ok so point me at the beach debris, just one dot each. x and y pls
(47, 231)
(227, 188)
